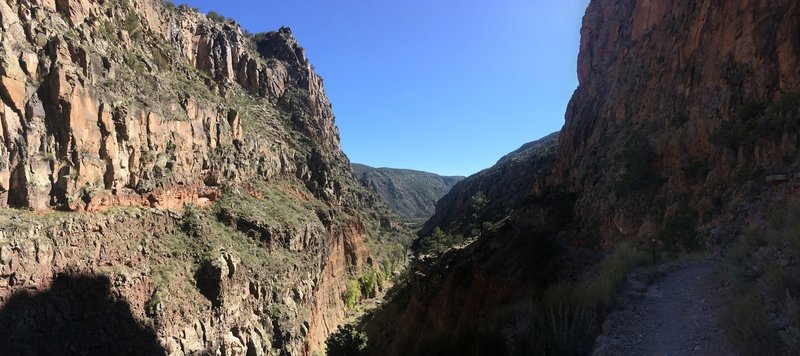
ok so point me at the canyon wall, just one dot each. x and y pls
(707, 89)
(211, 203)
(121, 99)
(683, 126)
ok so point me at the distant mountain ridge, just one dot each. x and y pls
(411, 194)
(504, 187)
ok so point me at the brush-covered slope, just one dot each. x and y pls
(409, 193)
(503, 251)
(212, 206)
(494, 193)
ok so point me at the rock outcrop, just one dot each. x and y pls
(409, 193)
(203, 169)
(129, 98)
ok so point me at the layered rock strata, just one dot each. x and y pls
(258, 221)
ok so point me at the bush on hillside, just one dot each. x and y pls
(759, 122)
(438, 242)
(346, 341)
(216, 17)
(749, 328)
(169, 4)
(764, 287)
(352, 294)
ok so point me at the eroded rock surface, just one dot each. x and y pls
(258, 218)
(692, 80)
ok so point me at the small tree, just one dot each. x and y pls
(346, 341)
(352, 295)
(478, 201)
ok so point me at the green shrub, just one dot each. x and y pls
(352, 294)
(274, 204)
(750, 330)
(184, 7)
(602, 290)
(560, 292)
(792, 308)
(132, 24)
(478, 201)
(152, 305)
(259, 36)
(734, 133)
(749, 326)
(168, 4)
(108, 30)
(438, 242)
(346, 341)
(216, 17)
(162, 59)
(135, 63)
(758, 122)
(371, 282)
(567, 329)
(568, 314)
(784, 225)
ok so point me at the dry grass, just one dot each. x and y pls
(764, 287)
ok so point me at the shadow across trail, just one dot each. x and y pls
(78, 315)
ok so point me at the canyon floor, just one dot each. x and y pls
(680, 313)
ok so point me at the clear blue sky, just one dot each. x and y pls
(446, 86)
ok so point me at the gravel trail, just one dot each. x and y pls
(680, 313)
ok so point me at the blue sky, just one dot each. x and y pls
(446, 86)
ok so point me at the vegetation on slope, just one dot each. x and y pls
(756, 122)
(762, 270)
(409, 193)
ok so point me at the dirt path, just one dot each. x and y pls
(678, 314)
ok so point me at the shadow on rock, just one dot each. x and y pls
(78, 315)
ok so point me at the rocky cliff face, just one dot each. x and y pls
(707, 89)
(114, 103)
(685, 117)
(409, 193)
(128, 98)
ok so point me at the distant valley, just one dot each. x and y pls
(411, 194)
